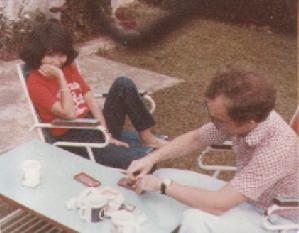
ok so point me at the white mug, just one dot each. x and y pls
(92, 209)
(31, 173)
(123, 222)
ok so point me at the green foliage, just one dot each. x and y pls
(12, 34)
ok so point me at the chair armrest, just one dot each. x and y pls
(285, 201)
(84, 125)
(281, 203)
(68, 125)
(221, 147)
(227, 145)
(80, 122)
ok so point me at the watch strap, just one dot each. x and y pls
(163, 188)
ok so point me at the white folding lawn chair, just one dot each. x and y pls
(279, 203)
(88, 124)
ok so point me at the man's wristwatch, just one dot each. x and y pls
(164, 184)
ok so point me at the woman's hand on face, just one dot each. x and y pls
(50, 71)
(118, 143)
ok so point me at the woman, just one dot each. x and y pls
(59, 91)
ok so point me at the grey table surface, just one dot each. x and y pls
(57, 186)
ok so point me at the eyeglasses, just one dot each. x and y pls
(216, 121)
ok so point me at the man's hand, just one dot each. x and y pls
(50, 71)
(139, 168)
(148, 183)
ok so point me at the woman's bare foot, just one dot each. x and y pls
(150, 140)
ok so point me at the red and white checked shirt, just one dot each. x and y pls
(267, 161)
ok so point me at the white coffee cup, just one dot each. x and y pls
(92, 208)
(31, 173)
(123, 222)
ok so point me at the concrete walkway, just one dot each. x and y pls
(99, 72)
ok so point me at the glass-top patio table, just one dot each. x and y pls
(57, 186)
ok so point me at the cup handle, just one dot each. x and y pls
(102, 213)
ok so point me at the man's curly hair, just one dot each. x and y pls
(252, 96)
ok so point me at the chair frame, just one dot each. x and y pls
(226, 146)
(82, 123)
(282, 203)
(285, 205)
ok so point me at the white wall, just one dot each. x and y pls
(16, 9)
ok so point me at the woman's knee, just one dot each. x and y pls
(124, 82)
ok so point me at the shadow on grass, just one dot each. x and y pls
(268, 15)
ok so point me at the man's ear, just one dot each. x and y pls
(252, 123)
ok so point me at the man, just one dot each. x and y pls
(241, 108)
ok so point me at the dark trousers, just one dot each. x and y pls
(122, 100)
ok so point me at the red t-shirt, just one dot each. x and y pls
(45, 92)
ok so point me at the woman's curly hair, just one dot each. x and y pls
(252, 96)
(47, 38)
